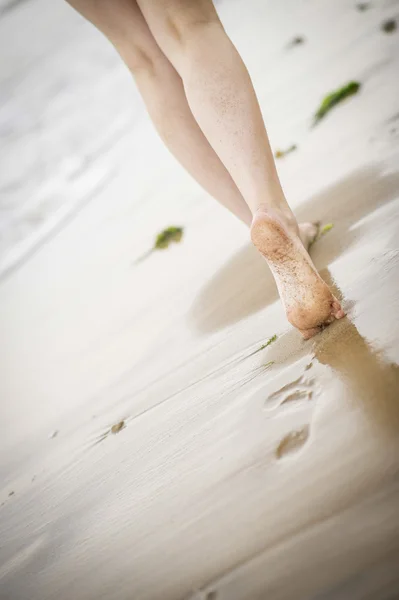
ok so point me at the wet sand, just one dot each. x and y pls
(238, 473)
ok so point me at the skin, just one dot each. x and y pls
(200, 98)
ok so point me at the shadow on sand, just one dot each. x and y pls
(244, 286)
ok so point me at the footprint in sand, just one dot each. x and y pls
(302, 389)
(294, 394)
(293, 442)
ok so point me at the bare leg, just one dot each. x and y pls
(222, 99)
(162, 90)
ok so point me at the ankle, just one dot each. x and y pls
(281, 214)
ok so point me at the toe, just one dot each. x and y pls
(337, 310)
(308, 232)
(329, 319)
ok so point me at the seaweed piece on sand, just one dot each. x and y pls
(322, 231)
(263, 346)
(298, 40)
(167, 237)
(389, 26)
(163, 240)
(334, 98)
(282, 153)
(117, 427)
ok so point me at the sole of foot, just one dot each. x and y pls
(309, 304)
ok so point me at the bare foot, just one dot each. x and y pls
(308, 302)
(308, 233)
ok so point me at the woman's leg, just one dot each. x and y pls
(163, 93)
(162, 88)
(222, 99)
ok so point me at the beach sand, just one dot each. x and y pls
(238, 473)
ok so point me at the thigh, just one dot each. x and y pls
(123, 23)
(109, 16)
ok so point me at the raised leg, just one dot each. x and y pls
(222, 99)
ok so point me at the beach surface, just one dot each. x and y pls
(235, 469)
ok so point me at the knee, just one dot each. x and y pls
(139, 60)
(187, 29)
(182, 28)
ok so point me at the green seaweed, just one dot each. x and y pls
(282, 153)
(269, 341)
(335, 98)
(163, 240)
(326, 228)
(322, 231)
(168, 236)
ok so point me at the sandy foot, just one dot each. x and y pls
(308, 302)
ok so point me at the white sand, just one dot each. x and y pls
(190, 495)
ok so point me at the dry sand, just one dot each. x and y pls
(238, 474)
